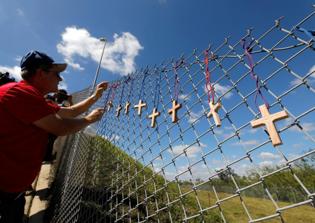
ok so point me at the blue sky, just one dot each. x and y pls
(143, 33)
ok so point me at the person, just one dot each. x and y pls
(5, 78)
(26, 120)
(62, 99)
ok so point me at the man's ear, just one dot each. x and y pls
(36, 75)
(41, 74)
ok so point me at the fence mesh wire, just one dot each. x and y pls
(192, 170)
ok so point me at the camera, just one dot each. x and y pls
(5, 78)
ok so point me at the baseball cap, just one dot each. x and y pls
(35, 59)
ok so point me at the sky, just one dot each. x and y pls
(143, 33)
(139, 33)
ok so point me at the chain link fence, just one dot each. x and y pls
(137, 166)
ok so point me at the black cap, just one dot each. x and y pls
(34, 60)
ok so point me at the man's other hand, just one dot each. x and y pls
(95, 115)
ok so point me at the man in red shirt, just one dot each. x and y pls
(26, 119)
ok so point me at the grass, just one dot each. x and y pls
(112, 166)
(233, 210)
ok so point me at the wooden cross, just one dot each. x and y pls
(173, 111)
(127, 107)
(153, 116)
(214, 112)
(139, 106)
(118, 110)
(109, 105)
(268, 120)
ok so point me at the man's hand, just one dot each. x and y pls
(60, 126)
(100, 88)
(79, 108)
(95, 115)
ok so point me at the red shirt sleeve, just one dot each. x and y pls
(54, 106)
(27, 104)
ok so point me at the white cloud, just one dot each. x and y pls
(63, 84)
(219, 131)
(298, 145)
(291, 156)
(268, 156)
(311, 71)
(119, 55)
(312, 77)
(220, 90)
(246, 143)
(266, 163)
(75, 66)
(200, 172)
(112, 138)
(170, 175)
(193, 116)
(156, 169)
(295, 82)
(192, 151)
(203, 145)
(184, 97)
(253, 130)
(307, 126)
(157, 164)
(228, 128)
(93, 130)
(243, 169)
(90, 130)
(14, 71)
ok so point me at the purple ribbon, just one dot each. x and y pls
(247, 50)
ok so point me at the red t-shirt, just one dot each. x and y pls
(22, 144)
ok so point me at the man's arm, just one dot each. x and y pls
(79, 108)
(63, 126)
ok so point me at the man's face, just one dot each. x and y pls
(51, 80)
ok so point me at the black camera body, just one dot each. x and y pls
(61, 96)
(5, 78)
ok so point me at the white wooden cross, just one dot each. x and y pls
(214, 112)
(118, 110)
(127, 107)
(139, 106)
(268, 120)
(173, 110)
(153, 116)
